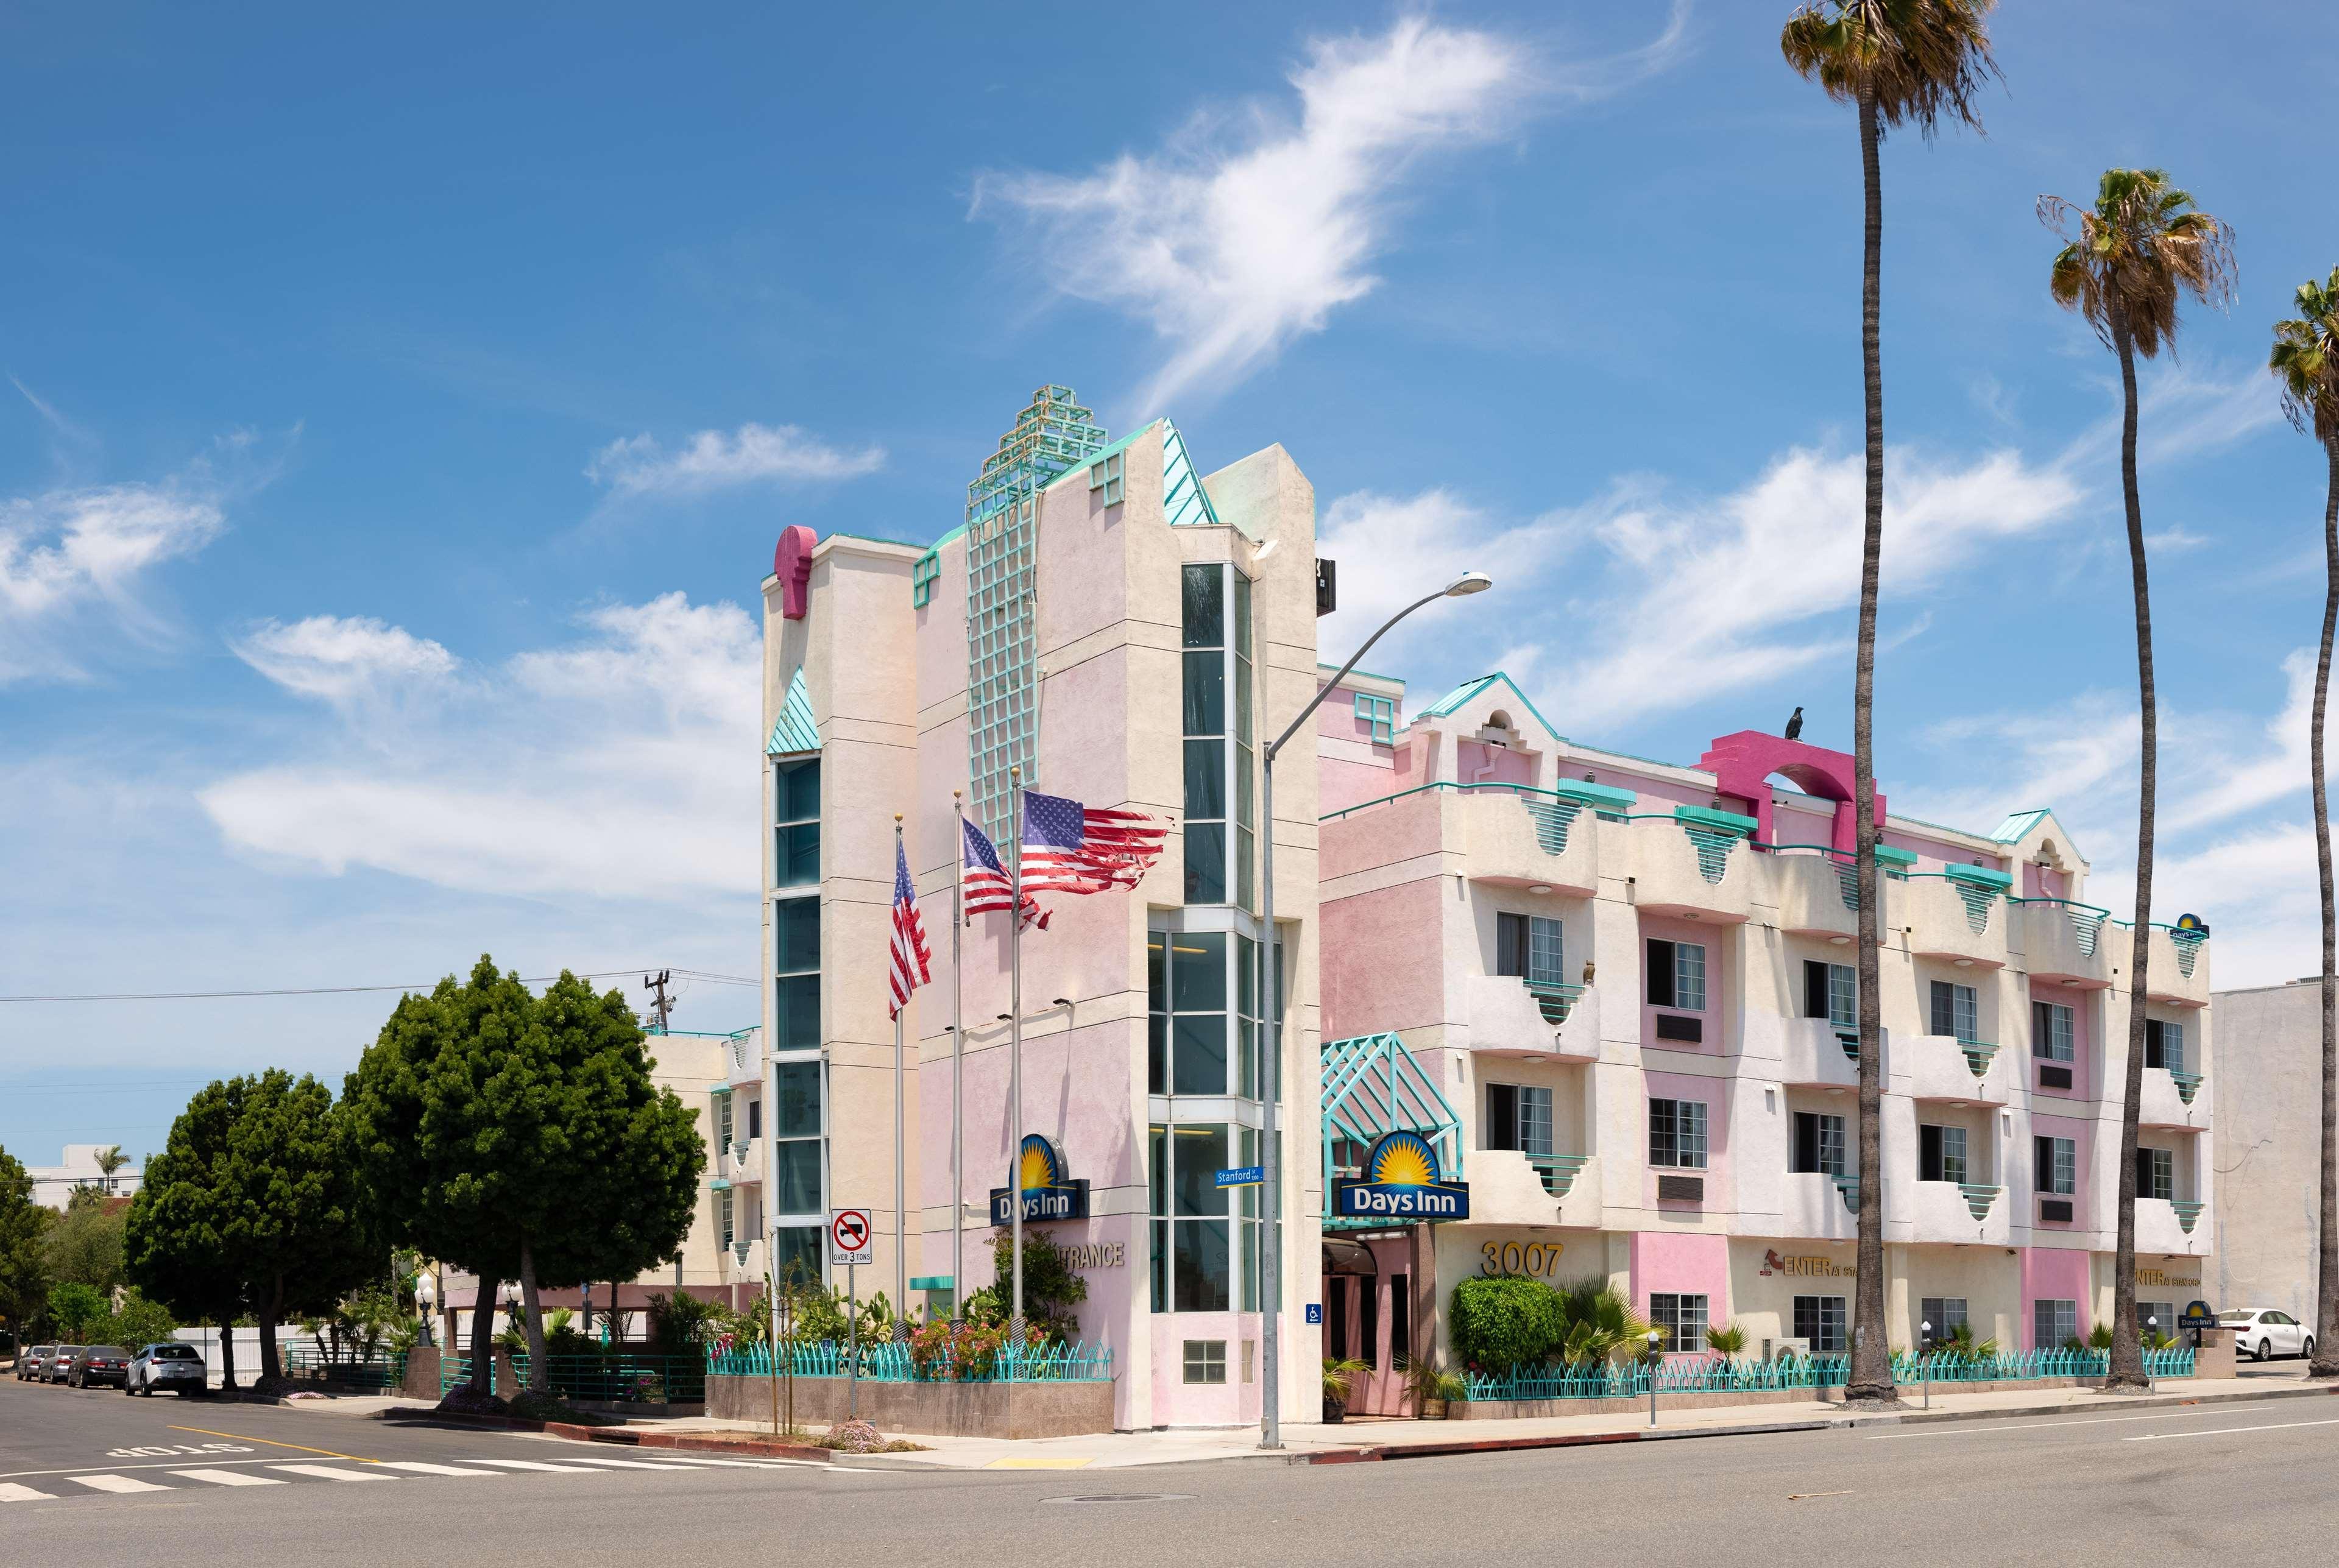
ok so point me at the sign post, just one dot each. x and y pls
(850, 1243)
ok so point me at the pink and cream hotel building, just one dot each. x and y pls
(1612, 992)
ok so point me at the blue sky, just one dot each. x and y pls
(403, 409)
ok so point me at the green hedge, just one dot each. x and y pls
(1502, 1322)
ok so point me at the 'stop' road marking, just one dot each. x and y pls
(303, 1448)
(2222, 1431)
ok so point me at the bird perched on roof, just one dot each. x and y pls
(1795, 725)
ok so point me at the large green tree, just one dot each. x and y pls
(176, 1251)
(2126, 263)
(2305, 360)
(521, 1138)
(1898, 62)
(24, 1262)
(84, 1246)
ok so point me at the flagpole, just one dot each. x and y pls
(901, 1194)
(1015, 1049)
(958, 1075)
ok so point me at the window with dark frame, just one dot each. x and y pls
(1818, 1147)
(1940, 1153)
(1683, 1316)
(1819, 1321)
(2053, 1031)
(1677, 1133)
(2055, 1165)
(1831, 992)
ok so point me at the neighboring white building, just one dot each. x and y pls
(54, 1183)
(2269, 1148)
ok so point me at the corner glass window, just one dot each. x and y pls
(1217, 719)
(796, 832)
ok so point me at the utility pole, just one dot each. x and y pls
(661, 1006)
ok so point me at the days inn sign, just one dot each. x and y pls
(1400, 1183)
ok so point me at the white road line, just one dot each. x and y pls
(2222, 1431)
(2005, 1426)
(228, 1477)
(12, 1493)
(532, 1465)
(117, 1484)
(630, 1464)
(420, 1468)
(330, 1473)
(739, 1463)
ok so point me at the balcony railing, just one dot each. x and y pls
(2186, 1213)
(2189, 1084)
(1554, 999)
(1850, 1186)
(1977, 1055)
(1979, 1199)
(1558, 1171)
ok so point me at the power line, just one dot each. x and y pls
(352, 990)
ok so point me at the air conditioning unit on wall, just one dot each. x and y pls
(1774, 1349)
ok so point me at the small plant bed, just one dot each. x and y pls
(861, 1437)
(530, 1405)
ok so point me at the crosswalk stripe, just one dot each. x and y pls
(733, 1464)
(12, 1493)
(329, 1473)
(228, 1477)
(115, 1483)
(420, 1468)
(532, 1465)
(630, 1464)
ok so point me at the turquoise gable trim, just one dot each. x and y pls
(1979, 876)
(1717, 820)
(1599, 797)
(794, 730)
(1453, 701)
(2021, 823)
(1184, 501)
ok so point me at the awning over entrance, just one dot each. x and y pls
(1372, 1086)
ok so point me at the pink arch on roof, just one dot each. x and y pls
(792, 564)
(1742, 763)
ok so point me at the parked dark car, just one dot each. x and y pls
(60, 1362)
(170, 1365)
(98, 1364)
(29, 1365)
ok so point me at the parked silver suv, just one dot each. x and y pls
(172, 1365)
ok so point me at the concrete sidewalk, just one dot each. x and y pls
(1371, 1440)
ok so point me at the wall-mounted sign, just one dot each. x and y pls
(1538, 1258)
(2198, 1314)
(1049, 1195)
(1095, 1254)
(1804, 1264)
(1401, 1182)
(1315, 1312)
(2165, 1280)
(1242, 1175)
(2192, 925)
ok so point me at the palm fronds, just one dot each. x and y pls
(2129, 259)
(2305, 360)
(1922, 60)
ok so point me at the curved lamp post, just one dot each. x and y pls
(1270, 1433)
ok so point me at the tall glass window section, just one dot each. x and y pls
(1207, 1032)
(1220, 745)
(796, 1092)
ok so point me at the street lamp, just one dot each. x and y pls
(425, 1297)
(1924, 1361)
(2152, 1324)
(1270, 1433)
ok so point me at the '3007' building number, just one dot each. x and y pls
(1520, 1258)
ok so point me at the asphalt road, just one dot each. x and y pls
(2237, 1482)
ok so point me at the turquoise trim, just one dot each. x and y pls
(1887, 855)
(1369, 675)
(930, 1282)
(1371, 1085)
(1600, 797)
(1184, 502)
(922, 576)
(2021, 823)
(793, 731)
(1445, 706)
(719, 1183)
(1981, 874)
(1718, 821)
(873, 538)
(1381, 714)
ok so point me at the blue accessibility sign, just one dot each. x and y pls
(1315, 1312)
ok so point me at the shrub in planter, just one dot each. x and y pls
(1505, 1321)
(1339, 1386)
(1433, 1389)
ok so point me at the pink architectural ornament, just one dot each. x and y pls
(1742, 763)
(792, 564)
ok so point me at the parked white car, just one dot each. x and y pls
(176, 1368)
(2260, 1332)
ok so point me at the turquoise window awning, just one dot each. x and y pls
(1979, 876)
(1887, 855)
(794, 730)
(1727, 822)
(930, 1282)
(719, 1183)
(1599, 797)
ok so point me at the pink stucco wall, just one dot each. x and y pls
(1716, 942)
(1379, 967)
(2083, 1042)
(1683, 1261)
(2055, 1274)
(1477, 763)
(1384, 835)
(1341, 783)
(2082, 1133)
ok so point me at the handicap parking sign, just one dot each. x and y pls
(1315, 1312)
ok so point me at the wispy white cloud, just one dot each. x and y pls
(617, 767)
(2176, 541)
(76, 563)
(1251, 227)
(721, 459)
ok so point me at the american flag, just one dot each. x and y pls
(1071, 848)
(911, 955)
(989, 889)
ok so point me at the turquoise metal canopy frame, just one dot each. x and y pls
(1373, 1085)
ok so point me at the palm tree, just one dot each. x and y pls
(1899, 63)
(110, 1160)
(2305, 360)
(2125, 262)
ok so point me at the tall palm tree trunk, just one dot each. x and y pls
(2326, 1284)
(1872, 1354)
(2127, 1370)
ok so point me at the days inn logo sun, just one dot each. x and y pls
(1401, 1182)
(1042, 1180)
(1039, 1166)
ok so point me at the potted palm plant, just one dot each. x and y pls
(1728, 1342)
(1339, 1386)
(1433, 1389)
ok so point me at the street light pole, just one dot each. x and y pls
(1270, 1358)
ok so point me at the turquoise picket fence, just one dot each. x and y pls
(1610, 1380)
(885, 1361)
